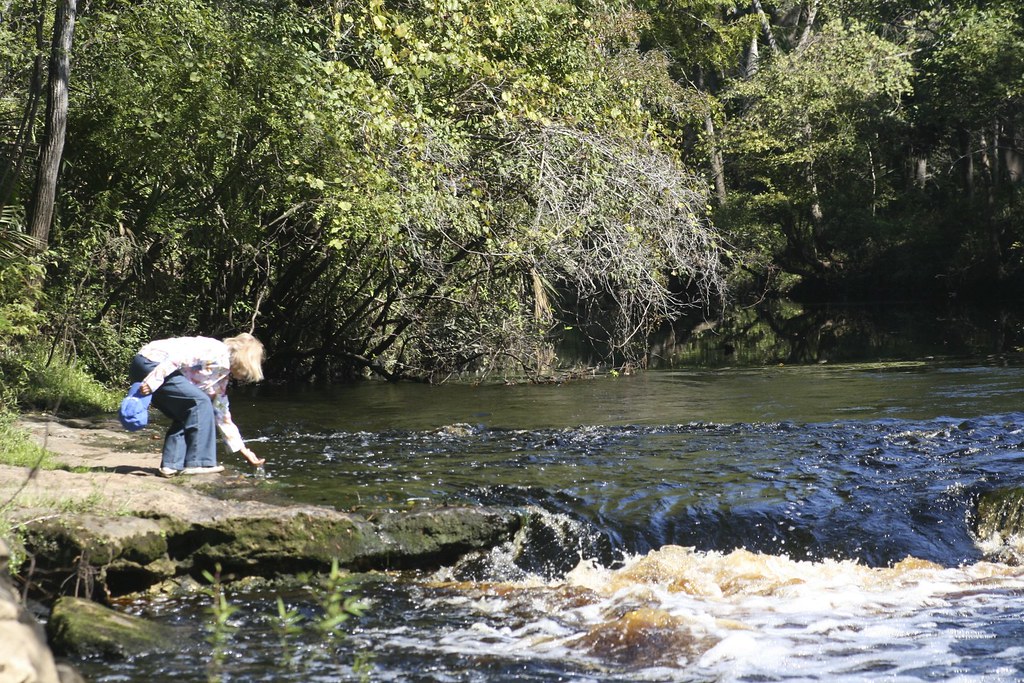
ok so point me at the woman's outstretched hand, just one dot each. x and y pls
(251, 457)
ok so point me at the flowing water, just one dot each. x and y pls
(774, 524)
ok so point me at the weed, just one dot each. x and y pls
(336, 603)
(18, 450)
(220, 628)
(287, 625)
(67, 387)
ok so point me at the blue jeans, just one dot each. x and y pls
(191, 440)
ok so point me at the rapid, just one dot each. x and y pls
(828, 522)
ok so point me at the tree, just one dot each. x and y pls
(367, 184)
(706, 41)
(804, 134)
(20, 99)
(968, 114)
(45, 191)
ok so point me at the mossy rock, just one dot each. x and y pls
(285, 540)
(98, 539)
(85, 628)
(1000, 512)
(300, 539)
(417, 539)
(118, 554)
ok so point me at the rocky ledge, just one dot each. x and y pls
(109, 525)
(100, 554)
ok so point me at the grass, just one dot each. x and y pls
(66, 388)
(12, 530)
(61, 387)
(18, 450)
(29, 379)
(65, 505)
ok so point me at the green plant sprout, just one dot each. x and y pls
(220, 628)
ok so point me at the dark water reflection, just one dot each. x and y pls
(777, 331)
(801, 394)
(800, 490)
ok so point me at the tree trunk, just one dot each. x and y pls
(817, 214)
(767, 27)
(45, 193)
(12, 169)
(990, 165)
(966, 161)
(753, 59)
(805, 39)
(994, 166)
(1012, 157)
(717, 163)
(920, 165)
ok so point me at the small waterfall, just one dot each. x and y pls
(549, 545)
(999, 525)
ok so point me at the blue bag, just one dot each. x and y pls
(134, 411)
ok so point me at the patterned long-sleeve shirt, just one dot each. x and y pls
(207, 364)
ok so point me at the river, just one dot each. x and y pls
(779, 523)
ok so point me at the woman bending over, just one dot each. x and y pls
(188, 379)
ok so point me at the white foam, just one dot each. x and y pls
(743, 615)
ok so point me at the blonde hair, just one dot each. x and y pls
(246, 357)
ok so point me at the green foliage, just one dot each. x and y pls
(12, 533)
(804, 136)
(40, 381)
(19, 296)
(9, 533)
(17, 63)
(17, 450)
(974, 67)
(332, 591)
(287, 625)
(337, 603)
(812, 104)
(876, 148)
(219, 628)
(421, 189)
(103, 344)
(369, 182)
(701, 35)
(19, 279)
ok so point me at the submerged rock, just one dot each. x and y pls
(84, 628)
(436, 537)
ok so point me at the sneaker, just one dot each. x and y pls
(211, 469)
(168, 472)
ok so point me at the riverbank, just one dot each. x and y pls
(108, 516)
(106, 524)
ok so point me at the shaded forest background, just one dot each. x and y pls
(417, 189)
